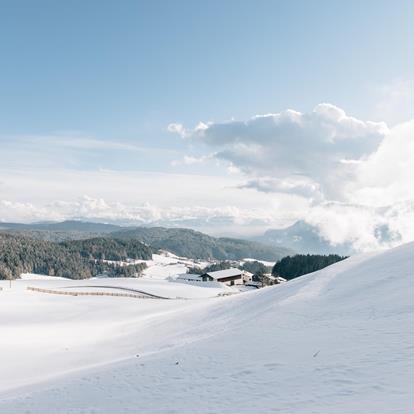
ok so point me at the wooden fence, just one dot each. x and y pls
(73, 293)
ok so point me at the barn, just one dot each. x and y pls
(230, 277)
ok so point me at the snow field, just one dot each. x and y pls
(338, 340)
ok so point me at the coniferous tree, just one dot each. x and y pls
(293, 266)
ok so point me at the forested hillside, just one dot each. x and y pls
(79, 250)
(76, 260)
(53, 235)
(193, 244)
(182, 242)
(101, 248)
(293, 266)
(19, 254)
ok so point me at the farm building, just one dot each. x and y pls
(247, 276)
(273, 280)
(189, 277)
(228, 276)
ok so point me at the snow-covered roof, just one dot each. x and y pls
(219, 274)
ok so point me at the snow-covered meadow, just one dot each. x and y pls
(164, 264)
(338, 340)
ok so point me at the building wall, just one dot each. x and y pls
(232, 280)
(247, 277)
(237, 280)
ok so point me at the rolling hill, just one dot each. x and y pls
(193, 244)
(338, 340)
(182, 242)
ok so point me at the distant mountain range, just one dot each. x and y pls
(180, 241)
(68, 225)
(304, 238)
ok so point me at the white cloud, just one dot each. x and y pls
(191, 160)
(78, 151)
(178, 129)
(387, 175)
(24, 212)
(76, 141)
(364, 227)
(220, 220)
(302, 186)
(395, 101)
(351, 178)
(210, 203)
(356, 175)
(323, 145)
(184, 132)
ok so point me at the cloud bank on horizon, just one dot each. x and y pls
(349, 177)
(355, 174)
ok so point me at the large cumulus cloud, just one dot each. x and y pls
(314, 149)
(356, 174)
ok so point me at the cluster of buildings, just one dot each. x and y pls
(230, 277)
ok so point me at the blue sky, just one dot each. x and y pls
(92, 86)
(126, 69)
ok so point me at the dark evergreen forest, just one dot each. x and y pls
(293, 266)
(80, 259)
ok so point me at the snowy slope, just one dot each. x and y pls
(339, 340)
(167, 264)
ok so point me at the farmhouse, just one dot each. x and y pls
(229, 276)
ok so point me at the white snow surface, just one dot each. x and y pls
(167, 264)
(266, 263)
(338, 340)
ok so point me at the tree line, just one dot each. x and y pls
(293, 266)
(73, 259)
(258, 269)
(289, 267)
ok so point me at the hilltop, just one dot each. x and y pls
(193, 244)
